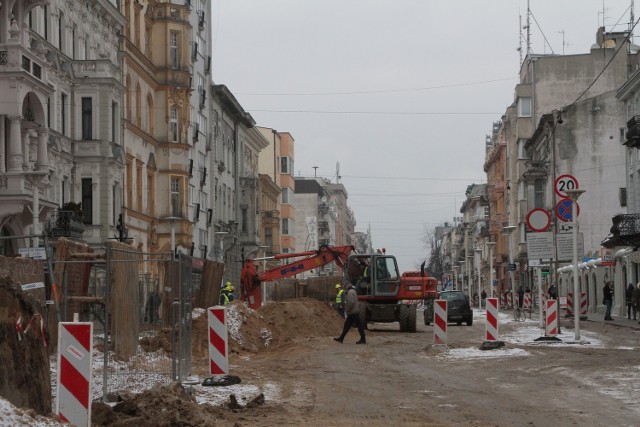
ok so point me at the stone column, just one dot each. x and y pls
(26, 148)
(15, 145)
(3, 143)
(42, 163)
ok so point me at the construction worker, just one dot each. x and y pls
(340, 300)
(224, 296)
(229, 287)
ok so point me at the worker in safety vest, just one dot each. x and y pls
(340, 300)
(226, 294)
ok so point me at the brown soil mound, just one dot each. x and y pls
(24, 359)
(275, 323)
(301, 318)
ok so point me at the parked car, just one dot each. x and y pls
(458, 308)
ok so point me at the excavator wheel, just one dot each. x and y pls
(403, 317)
(411, 320)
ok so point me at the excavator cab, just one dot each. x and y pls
(374, 275)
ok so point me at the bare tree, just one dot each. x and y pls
(435, 266)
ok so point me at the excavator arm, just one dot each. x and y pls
(250, 279)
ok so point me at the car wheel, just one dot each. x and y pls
(469, 322)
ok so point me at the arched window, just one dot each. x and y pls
(150, 114)
(128, 90)
(173, 125)
(138, 105)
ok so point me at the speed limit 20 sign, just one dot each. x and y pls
(565, 182)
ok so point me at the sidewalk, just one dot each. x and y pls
(617, 320)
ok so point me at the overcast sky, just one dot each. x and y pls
(400, 93)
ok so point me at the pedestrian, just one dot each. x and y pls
(607, 299)
(230, 290)
(630, 307)
(353, 315)
(635, 298)
(520, 296)
(340, 300)
(483, 295)
(553, 291)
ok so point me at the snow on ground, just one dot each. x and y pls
(522, 334)
(10, 416)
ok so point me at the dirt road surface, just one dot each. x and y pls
(402, 379)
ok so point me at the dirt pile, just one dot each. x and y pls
(169, 405)
(24, 360)
(274, 324)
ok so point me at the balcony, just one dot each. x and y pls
(96, 69)
(65, 224)
(633, 133)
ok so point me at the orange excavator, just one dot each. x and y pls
(384, 294)
(250, 279)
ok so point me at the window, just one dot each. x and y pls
(522, 152)
(173, 49)
(46, 22)
(114, 122)
(87, 200)
(129, 182)
(174, 124)
(287, 226)
(176, 200)
(63, 114)
(524, 106)
(61, 32)
(284, 165)
(151, 192)
(86, 119)
(138, 106)
(287, 195)
(538, 195)
(139, 185)
(150, 118)
(245, 219)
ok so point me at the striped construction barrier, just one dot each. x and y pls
(569, 303)
(503, 300)
(491, 330)
(509, 301)
(551, 323)
(218, 341)
(527, 301)
(440, 321)
(75, 348)
(583, 304)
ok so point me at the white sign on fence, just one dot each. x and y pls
(540, 245)
(565, 246)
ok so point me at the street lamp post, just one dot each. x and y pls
(469, 267)
(574, 195)
(491, 245)
(508, 230)
(479, 252)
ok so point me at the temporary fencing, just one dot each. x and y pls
(440, 321)
(492, 320)
(527, 301)
(551, 324)
(218, 341)
(583, 303)
(569, 303)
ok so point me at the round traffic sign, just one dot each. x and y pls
(563, 210)
(565, 182)
(538, 219)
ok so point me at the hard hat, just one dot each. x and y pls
(338, 286)
(230, 288)
(227, 284)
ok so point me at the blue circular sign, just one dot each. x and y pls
(563, 210)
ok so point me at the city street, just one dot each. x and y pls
(403, 379)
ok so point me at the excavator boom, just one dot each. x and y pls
(250, 279)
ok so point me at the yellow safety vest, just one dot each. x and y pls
(225, 298)
(339, 296)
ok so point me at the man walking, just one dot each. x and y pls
(353, 314)
(607, 300)
(340, 300)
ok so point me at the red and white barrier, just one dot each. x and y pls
(551, 324)
(440, 321)
(503, 300)
(75, 347)
(569, 303)
(218, 341)
(491, 330)
(509, 300)
(527, 301)
(583, 303)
